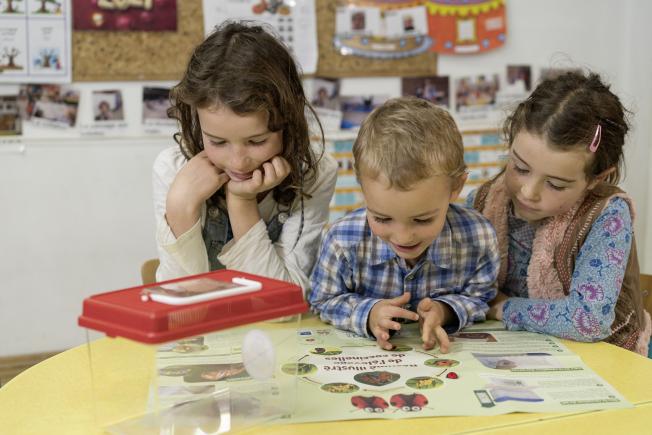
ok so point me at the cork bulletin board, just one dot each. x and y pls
(135, 56)
(333, 64)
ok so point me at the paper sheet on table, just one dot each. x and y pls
(488, 371)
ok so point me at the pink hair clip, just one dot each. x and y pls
(596, 139)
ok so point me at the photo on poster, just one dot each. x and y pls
(326, 93)
(517, 361)
(324, 98)
(434, 89)
(406, 21)
(479, 92)
(49, 104)
(519, 79)
(358, 20)
(156, 102)
(206, 372)
(356, 108)
(10, 121)
(107, 106)
(114, 15)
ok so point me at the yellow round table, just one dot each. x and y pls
(56, 397)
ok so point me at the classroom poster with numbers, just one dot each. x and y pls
(35, 40)
(341, 376)
(295, 23)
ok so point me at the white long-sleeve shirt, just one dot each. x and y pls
(254, 252)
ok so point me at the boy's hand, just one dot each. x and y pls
(382, 315)
(496, 306)
(432, 316)
(268, 176)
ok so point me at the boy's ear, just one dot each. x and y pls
(457, 185)
(600, 178)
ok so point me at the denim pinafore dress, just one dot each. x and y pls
(217, 231)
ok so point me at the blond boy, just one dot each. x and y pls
(410, 254)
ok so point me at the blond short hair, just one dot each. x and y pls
(408, 140)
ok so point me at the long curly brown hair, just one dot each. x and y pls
(243, 66)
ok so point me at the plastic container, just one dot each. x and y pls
(217, 365)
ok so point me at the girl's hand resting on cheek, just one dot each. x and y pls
(195, 182)
(265, 178)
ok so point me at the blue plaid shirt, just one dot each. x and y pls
(356, 269)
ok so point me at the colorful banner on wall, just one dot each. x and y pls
(466, 26)
(381, 29)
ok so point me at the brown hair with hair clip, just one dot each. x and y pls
(572, 111)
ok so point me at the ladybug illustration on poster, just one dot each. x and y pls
(409, 402)
(369, 403)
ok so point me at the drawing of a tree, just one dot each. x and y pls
(11, 56)
(44, 9)
(10, 6)
(46, 56)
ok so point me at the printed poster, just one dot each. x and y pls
(125, 15)
(381, 29)
(341, 376)
(35, 42)
(295, 23)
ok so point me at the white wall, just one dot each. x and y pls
(76, 214)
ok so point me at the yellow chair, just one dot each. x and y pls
(148, 271)
(646, 288)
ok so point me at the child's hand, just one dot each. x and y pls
(432, 316)
(197, 181)
(268, 176)
(496, 306)
(381, 318)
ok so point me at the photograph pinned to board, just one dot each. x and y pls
(107, 106)
(515, 87)
(107, 114)
(519, 79)
(435, 89)
(325, 99)
(10, 120)
(356, 108)
(381, 31)
(121, 15)
(49, 105)
(476, 97)
(294, 22)
(156, 102)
